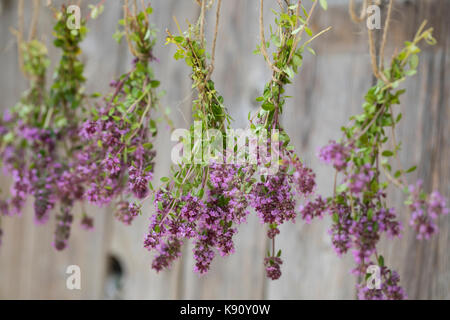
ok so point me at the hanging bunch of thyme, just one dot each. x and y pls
(119, 136)
(59, 180)
(273, 195)
(42, 145)
(204, 199)
(358, 207)
(18, 154)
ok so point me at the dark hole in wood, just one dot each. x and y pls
(114, 278)
(114, 266)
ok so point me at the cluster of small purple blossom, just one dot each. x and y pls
(114, 170)
(126, 211)
(335, 154)
(389, 287)
(360, 217)
(425, 210)
(38, 171)
(209, 222)
(57, 157)
(274, 198)
(118, 158)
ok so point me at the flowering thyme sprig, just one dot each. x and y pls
(119, 155)
(273, 195)
(358, 207)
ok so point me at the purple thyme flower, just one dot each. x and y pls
(273, 269)
(336, 154)
(87, 223)
(138, 182)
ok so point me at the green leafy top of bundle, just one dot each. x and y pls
(291, 22)
(66, 93)
(140, 34)
(208, 107)
(368, 132)
(35, 64)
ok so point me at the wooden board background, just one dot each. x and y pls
(329, 89)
